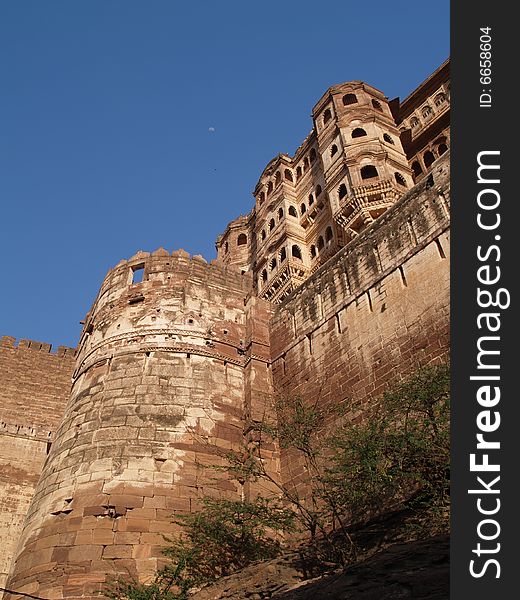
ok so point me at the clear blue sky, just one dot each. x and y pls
(129, 125)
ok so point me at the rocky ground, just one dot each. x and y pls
(416, 570)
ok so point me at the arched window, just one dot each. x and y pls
(428, 158)
(303, 209)
(312, 155)
(416, 168)
(358, 132)
(277, 178)
(263, 234)
(328, 234)
(333, 149)
(283, 254)
(442, 148)
(321, 243)
(298, 173)
(272, 264)
(400, 179)
(426, 111)
(414, 122)
(440, 99)
(342, 191)
(368, 171)
(349, 99)
(242, 239)
(305, 164)
(280, 213)
(264, 275)
(271, 224)
(292, 211)
(311, 199)
(261, 197)
(318, 190)
(296, 252)
(388, 138)
(269, 187)
(377, 105)
(313, 251)
(288, 175)
(327, 116)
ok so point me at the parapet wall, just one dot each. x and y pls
(175, 357)
(34, 388)
(168, 367)
(377, 310)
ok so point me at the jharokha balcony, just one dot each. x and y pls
(364, 204)
(323, 256)
(289, 275)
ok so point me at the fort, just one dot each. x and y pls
(334, 285)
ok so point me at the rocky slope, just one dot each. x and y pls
(416, 570)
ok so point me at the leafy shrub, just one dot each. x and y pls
(223, 537)
(398, 456)
(228, 535)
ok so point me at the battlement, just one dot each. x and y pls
(333, 286)
(8, 341)
(36, 432)
(35, 382)
(160, 265)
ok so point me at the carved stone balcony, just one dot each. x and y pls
(324, 255)
(364, 204)
(290, 275)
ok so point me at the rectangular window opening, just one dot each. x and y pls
(137, 274)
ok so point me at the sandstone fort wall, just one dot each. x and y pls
(34, 388)
(171, 359)
(376, 311)
(177, 355)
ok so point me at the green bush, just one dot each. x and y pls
(223, 537)
(228, 535)
(398, 456)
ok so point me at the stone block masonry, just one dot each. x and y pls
(349, 241)
(173, 357)
(176, 356)
(373, 313)
(34, 388)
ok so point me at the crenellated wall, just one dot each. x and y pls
(34, 388)
(167, 369)
(100, 446)
(376, 311)
(175, 357)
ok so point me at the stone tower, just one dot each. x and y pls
(365, 166)
(172, 359)
(349, 170)
(332, 287)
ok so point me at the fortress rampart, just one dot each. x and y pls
(101, 445)
(376, 311)
(176, 355)
(34, 388)
(167, 368)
